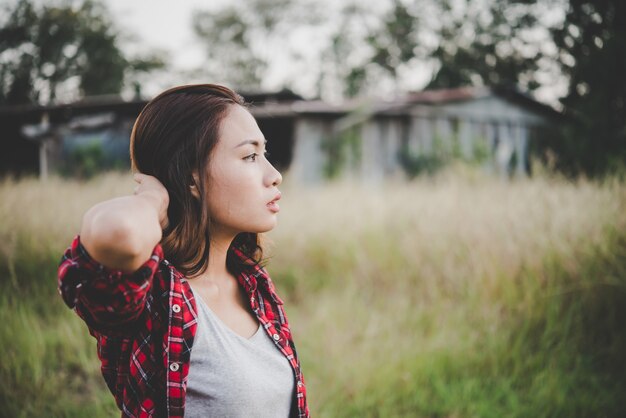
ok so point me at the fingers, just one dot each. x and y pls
(145, 182)
(139, 179)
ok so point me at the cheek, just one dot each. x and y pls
(231, 194)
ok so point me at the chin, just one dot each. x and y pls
(265, 227)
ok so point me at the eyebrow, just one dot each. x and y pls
(254, 142)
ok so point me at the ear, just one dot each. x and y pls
(193, 187)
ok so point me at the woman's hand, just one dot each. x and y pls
(150, 188)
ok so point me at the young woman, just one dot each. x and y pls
(168, 280)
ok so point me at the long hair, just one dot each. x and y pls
(172, 138)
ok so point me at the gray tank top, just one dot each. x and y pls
(231, 376)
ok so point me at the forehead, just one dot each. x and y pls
(239, 125)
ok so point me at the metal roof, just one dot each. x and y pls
(288, 104)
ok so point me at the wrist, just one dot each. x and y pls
(159, 202)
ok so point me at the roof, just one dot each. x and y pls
(288, 104)
(106, 103)
(442, 96)
(455, 95)
(281, 96)
(32, 113)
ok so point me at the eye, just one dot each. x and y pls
(251, 157)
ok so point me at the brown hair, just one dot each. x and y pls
(172, 138)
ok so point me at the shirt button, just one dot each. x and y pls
(300, 384)
(174, 367)
(252, 300)
(176, 308)
(276, 337)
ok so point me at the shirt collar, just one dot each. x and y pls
(251, 274)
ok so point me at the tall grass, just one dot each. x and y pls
(454, 296)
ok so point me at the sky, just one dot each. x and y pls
(166, 26)
(161, 25)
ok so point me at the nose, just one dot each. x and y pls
(274, 176)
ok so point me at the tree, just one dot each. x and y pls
(342, 70)
(370, 48)
(243, 37)
(394, 42)
(592, 54)
(476, 42)
(231, 49)
(490, 43)
(70, 46)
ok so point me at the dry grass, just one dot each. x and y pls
(460, 295)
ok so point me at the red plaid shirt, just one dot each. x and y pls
(145, 322)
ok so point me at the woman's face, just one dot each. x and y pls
(243, 185)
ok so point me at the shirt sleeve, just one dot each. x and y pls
(108, 300)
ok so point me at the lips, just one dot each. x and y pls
(273, 204)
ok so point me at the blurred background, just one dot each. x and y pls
(452, 241)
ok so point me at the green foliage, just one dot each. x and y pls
(469, 43)
(480, 151)
(541, 340)
(46, 47)
(337, 56)
(513, 43)
(403, 302)
(394, 43)
(342, 150)
(355, 81)
(85, 161)
(335, 156)
(230, 44)
(367, 47)
(592, 47)
(237, 35)
(487, 43)
(45, 347)
(444, 153)
(421, 164)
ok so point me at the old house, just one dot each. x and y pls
(309, 140)
(93, 134)
(375, 139)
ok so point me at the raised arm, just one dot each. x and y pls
(121, 233)
(107, 272)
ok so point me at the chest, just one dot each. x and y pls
(224, 366)
(230, 305)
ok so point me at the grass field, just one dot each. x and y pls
(454, 296)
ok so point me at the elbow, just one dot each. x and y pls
(120, 237)
(113, 240)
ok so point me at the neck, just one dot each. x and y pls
(216, 270)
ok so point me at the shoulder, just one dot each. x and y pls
(168, 272)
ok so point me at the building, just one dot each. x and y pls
(374, 139)
(309, 140)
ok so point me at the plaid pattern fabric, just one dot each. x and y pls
(144, 323)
